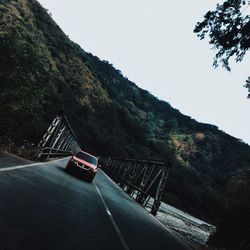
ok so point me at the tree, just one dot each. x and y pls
(228, 29)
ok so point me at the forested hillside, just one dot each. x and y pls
(42, 72)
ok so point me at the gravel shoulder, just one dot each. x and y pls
(192, 230)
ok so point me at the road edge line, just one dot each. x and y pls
(152, 216)
(29, 165)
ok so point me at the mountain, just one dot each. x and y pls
(42, 72)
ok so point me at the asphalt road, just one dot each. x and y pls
(44, 208)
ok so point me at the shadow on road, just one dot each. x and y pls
(74, 174)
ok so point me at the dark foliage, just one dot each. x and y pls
(228, 29)
(233, 231)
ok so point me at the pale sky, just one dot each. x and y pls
(153, 44)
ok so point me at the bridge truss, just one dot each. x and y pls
(59, 140)
(144, 180)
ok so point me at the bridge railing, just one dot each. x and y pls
(144, 180)
(59, 140)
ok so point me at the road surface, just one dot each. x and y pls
(44, 208)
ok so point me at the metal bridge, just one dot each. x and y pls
(144, 180)
(70, 213)
(59, 140)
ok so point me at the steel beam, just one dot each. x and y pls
(142, 179)
(58, 139)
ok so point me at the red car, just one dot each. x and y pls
(84, 164)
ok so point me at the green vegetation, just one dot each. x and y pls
(43, 72)
(228, 28)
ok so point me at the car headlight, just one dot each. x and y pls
(74, 160)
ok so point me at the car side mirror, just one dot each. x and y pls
(99, 166)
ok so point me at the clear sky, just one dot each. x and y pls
(153, 44)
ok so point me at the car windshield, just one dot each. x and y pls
(89, 158)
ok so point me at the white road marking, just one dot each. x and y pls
(137, 204)
(124, 244)
(117, 186)
(29, 165)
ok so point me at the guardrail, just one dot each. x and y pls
(59, 140)
(144, 180)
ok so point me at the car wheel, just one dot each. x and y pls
(68, 168)
(91, 178)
